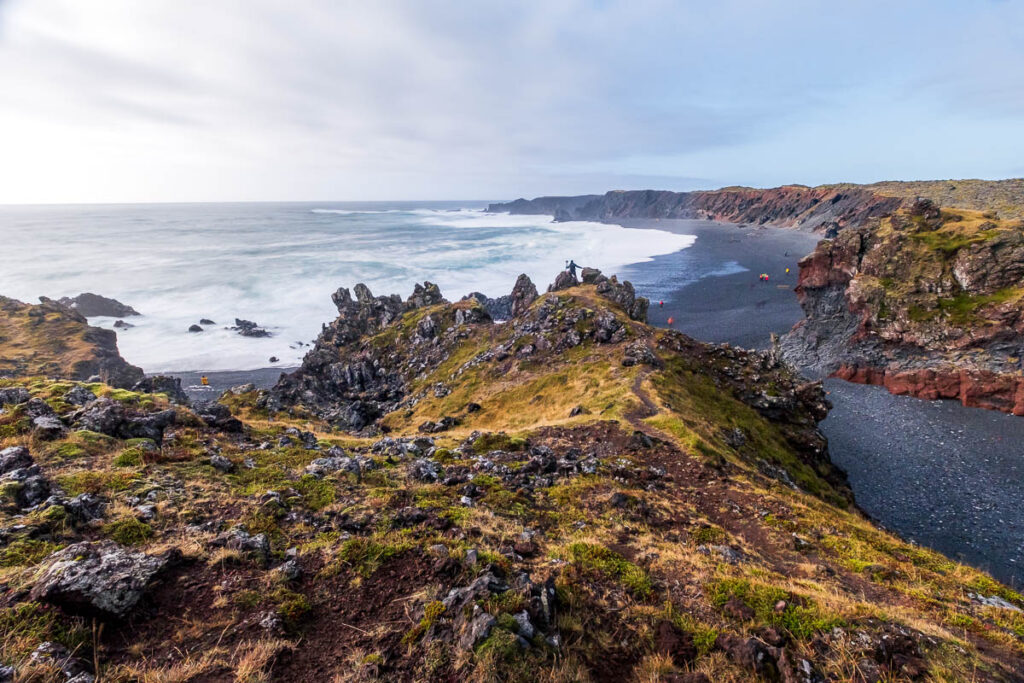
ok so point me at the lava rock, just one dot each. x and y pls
(14, 396)
(92, 305)
(48, 428)
(222, 464)
(163, 384)
(97, 579)
(248, 328)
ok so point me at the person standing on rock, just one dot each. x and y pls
(571, 266)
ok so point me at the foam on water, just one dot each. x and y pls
(277, 264)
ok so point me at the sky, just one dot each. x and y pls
(238, 100)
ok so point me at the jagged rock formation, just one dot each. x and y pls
(819, 208)
(926, 302)
(53, 340)
(90, 305)
(351, 381)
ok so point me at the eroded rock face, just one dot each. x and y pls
(925, 303)
(818, 208)
(97, 579)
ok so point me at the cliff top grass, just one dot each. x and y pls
(49, 339)
(1005, 197)
(669, 517)
(915, 270)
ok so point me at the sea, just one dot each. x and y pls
(277, 264)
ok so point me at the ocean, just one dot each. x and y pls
(278, 263)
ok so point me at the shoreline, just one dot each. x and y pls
(933, 472)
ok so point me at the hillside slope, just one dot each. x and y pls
(571, 495)
(54, 340)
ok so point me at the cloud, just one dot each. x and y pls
(253, 99)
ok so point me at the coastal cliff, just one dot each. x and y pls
(55, 340)
(568, 495)
(822, 209)
(926, 302)
(825, 208)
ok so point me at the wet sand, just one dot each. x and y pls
(937, 473)
(712, 291)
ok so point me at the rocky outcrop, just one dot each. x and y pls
(924, 302)
(54, 340)
(89, 305)
(163, 384)
(97, 579)
(363, 364)
(351, 382)
(824, 209)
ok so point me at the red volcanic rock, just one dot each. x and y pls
(973, 388)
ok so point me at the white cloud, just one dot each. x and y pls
(120, 100)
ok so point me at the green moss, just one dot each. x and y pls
(801, 617)
(431, 613)
(366, 555)
(708, 534)
(129, 457)
(596, 558)
(498, 441)
(128, 531)
(949, 242)
(26, 552)
(95, 481)
(290, 606)
(316, 493)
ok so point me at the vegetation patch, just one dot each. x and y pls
(590, 557)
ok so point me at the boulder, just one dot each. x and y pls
(248, 328)
(194, 328)
(109, 417)
(122, 325)
(14, 458)
(624, 295)
(79, 396)
(163, 384)
(217, 416)
(90, 305)
(48, 428)
(564, 280)
(591, 276)
(97, 579)
(219, 462)
(422, 469)
(14, 396)
(237, 538)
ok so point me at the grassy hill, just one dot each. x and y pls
(572, 495)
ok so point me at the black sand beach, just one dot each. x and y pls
(712, 290)
(937, 473)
